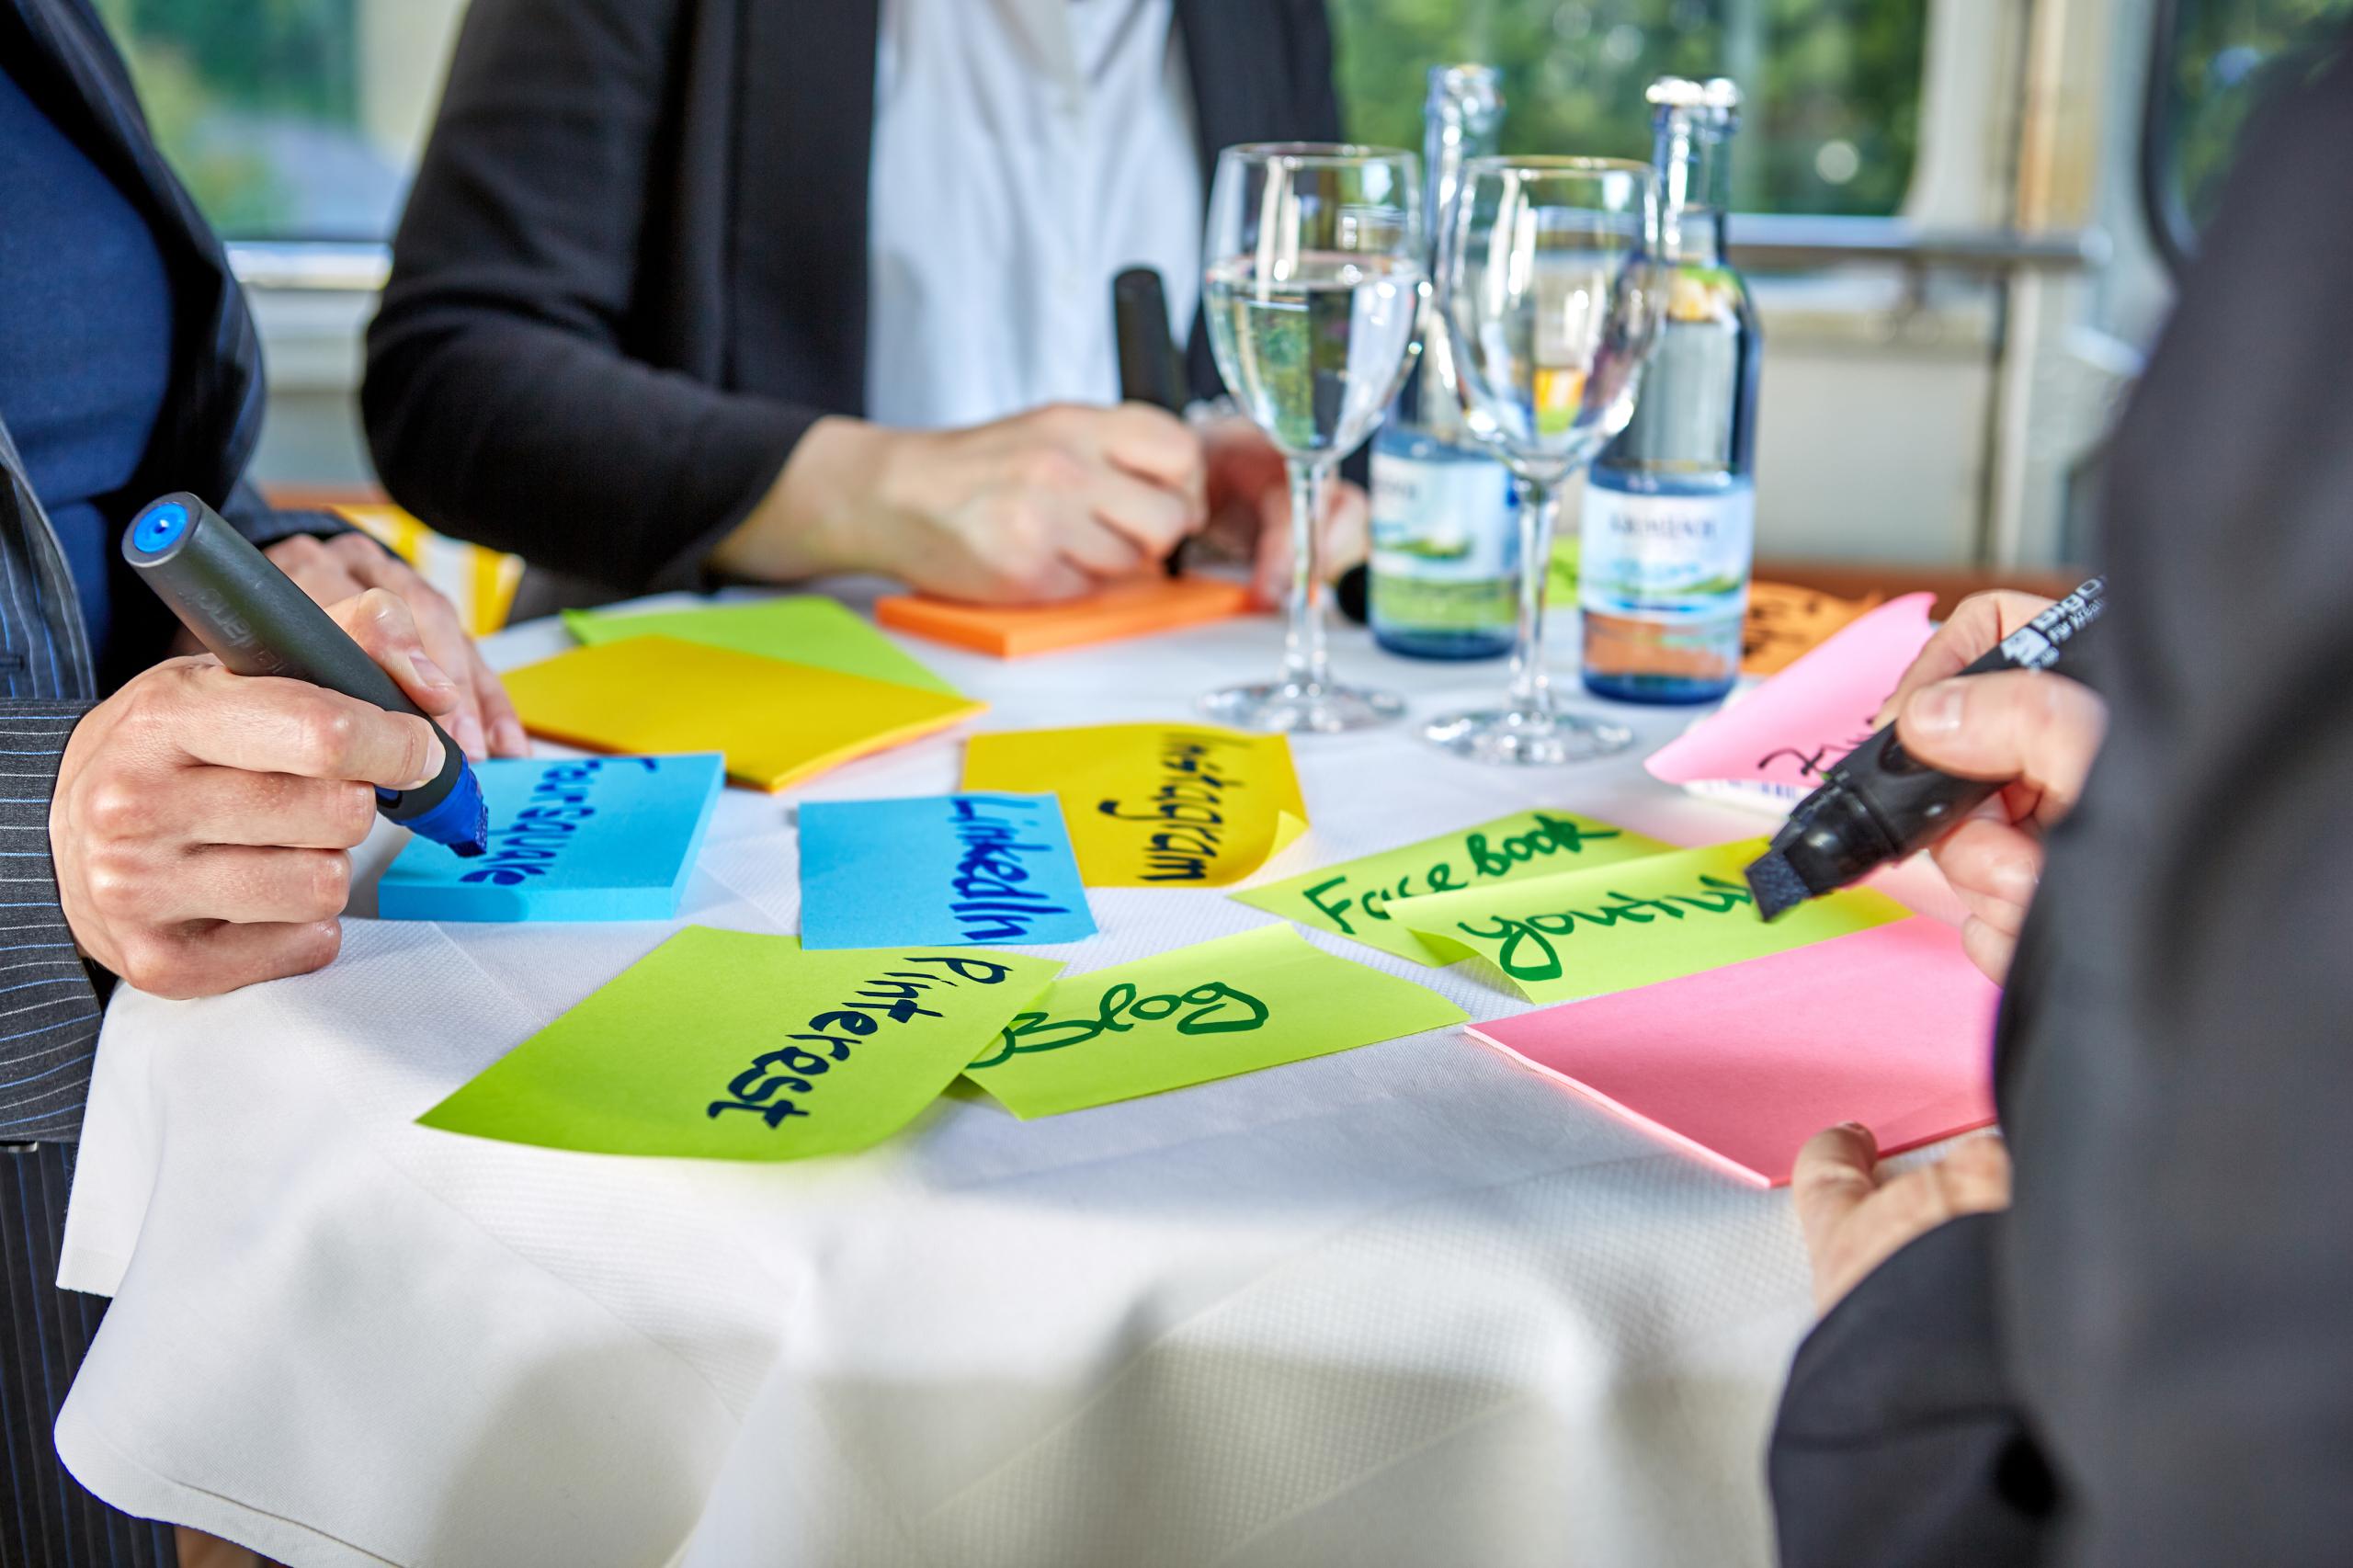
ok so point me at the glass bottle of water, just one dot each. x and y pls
(1669, 518)
(1445, 540)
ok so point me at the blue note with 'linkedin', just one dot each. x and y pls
(579, 838)
(939, 870)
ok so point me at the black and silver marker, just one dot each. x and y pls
(254, 618)
(1878, 804)
(1151, 368)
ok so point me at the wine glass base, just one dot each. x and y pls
(1285, 707)
(1505, 738)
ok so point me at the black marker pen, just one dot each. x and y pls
(1150, 370)
(1879, 805)
(253, 616)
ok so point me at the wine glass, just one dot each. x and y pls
(1551, 295)
(1312, 281)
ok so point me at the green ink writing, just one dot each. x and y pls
(1526, 950)
(1215, 1008)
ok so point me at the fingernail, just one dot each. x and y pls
(430, 674)
(2014, 882)
(1855, 1126)
(1936, 710)
(470, 737)
(434, 757)
(512, 742)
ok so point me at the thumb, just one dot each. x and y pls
(380, 624)
(1836, 1170)
(2027, 726)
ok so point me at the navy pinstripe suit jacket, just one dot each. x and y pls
(49, 676)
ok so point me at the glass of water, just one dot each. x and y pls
(1312, 281)
(1550, 291)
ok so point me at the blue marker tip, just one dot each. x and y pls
(159, 527)
(462, 819)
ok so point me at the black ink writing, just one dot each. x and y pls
(1187, 805)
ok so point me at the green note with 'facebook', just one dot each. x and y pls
(1212, 1010)
(726, 1045)
(808, 630)
(1356, 898)
(1588, 932)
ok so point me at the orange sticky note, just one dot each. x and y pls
(778, 722)
(1785, 622)
(1130, 609)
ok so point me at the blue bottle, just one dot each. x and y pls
(1445, 528)
(1669, 528)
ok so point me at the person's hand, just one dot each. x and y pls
(1045, 506)
(1249, 492)
(1856, 1217)
(346, 565)
(202, 820)
(2041, 731)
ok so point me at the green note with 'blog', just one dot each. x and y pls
(1212, 1010)
(1355, 899)
(1590, 933)
(726, 1045)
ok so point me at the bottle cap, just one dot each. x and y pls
(1718, 94)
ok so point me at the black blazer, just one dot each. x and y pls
(2148, 1360)
(213, 412)
(633, 267)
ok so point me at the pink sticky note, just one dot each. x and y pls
(1891, 1027)
(1792, 728)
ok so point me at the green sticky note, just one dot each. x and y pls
(801, 630)
(725, 1045)
(1354, 898)
(1585, 934)
(1209, 1011)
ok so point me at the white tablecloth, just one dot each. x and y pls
(1405, 1304)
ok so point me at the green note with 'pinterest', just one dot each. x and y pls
(1212, 1010)
(728, 1045)
(1590, 933)
(1357, 899)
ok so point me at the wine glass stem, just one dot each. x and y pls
(1531, 686)
(1303, 641)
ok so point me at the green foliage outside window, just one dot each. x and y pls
(1833, 86)
(2227, 55)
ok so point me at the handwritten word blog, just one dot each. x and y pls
(1211, 1007)
(1189, 800)
(991, 903)
(766, 1086)
(1527, 951)
(530, 845)
(1486, 858)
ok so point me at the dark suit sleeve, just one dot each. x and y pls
(2166, 1312)
(265, 525)
(48, 1010)
(502, 402)
(1899, 1444)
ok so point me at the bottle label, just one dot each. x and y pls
(1449, 520)
(1664, 555)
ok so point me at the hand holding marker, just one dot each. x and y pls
(1880, 804)
(257, 623)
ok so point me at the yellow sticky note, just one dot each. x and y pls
(1580, 934)
(778, 723)
(1154, 805)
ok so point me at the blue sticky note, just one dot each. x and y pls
(582, 838)
(939, 870)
